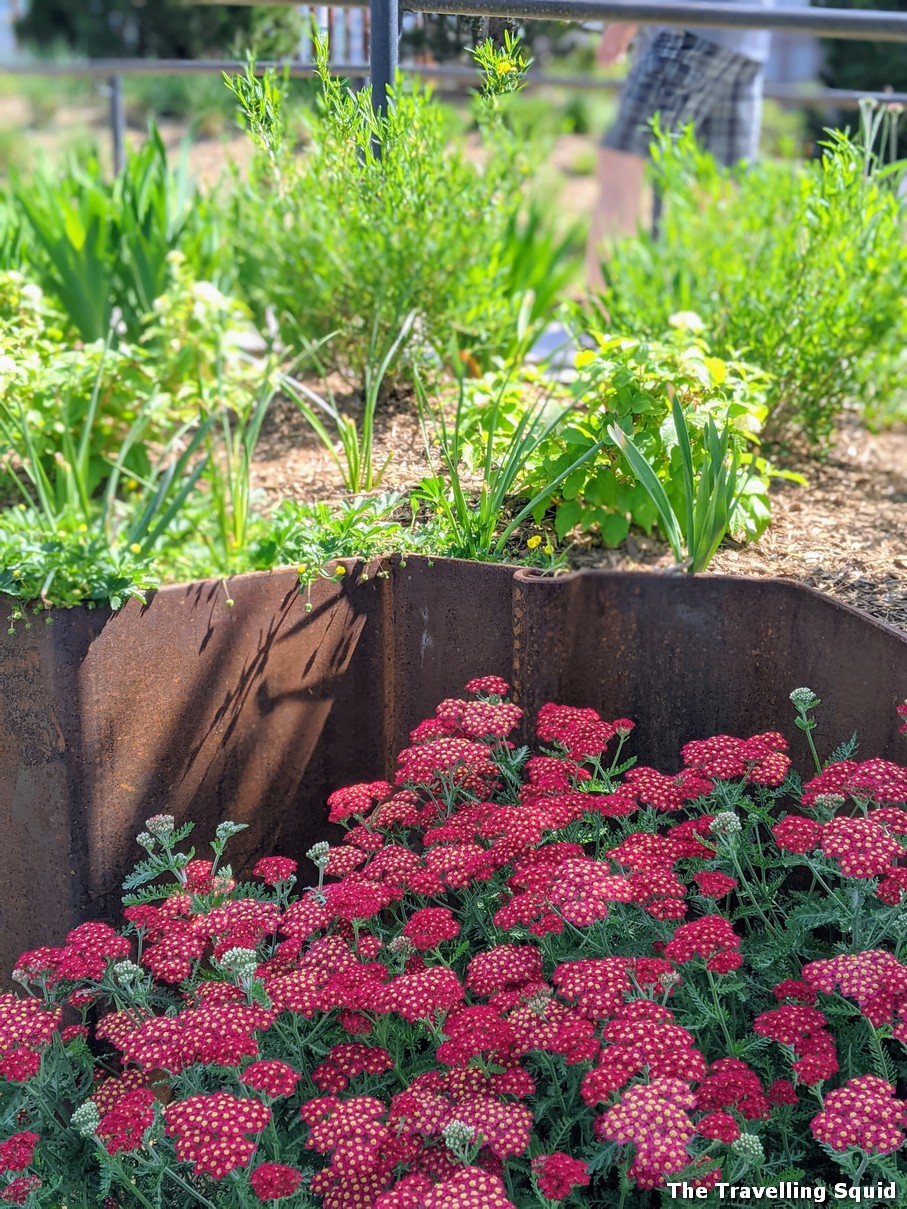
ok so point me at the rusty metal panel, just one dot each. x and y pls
(688, 657)
(258, 711)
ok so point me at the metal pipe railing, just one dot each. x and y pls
(115, 70)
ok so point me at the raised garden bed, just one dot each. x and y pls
(256, 712)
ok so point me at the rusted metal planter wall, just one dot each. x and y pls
(256, 712)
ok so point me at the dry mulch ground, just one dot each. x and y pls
(844, 533)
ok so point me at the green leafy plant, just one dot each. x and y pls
(710, 499)
(104, 247)
(383, 218)
(65, 545)
(477, 511)
(634, 382)
(355, 438)
(311, 536)
(779, 262)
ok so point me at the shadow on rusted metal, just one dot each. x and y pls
(255, 712)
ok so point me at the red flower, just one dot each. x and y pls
(792, 988)
(16, 1152)
(274, 1181)
(782, 1091)
(20, 1189)
(581, 732)
(730, 1083)
(211, 1131)
(558, 1174)
(875, 979)
(274, 869)
(711, 937)
(503, 968)
(488, 686)
(872, 780)
(430, 926)
(719, 1127)
(26, 1029)
(356, 800)
(654, 1119)
(804, 1029)
(862, 1115)
(272, 1077)
(861, 847)
(795, 833)
(123, 1127)
(713, 884)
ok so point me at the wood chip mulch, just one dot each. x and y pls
(844, 533)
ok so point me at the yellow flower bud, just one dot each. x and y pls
(534, 542)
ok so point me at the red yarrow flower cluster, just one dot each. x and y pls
(861, 847)
(428, 928)
(805, 1030)
(875, 979)
(212, 1131)
(580, 732)
(18, 1151)
(864, 1115)
(20, 1189)
(730, 1083)
(274, 1181)
(274, 869)
(123, 1127)
(26, 1029)
(654, 1118)
(557, 1174)
(871, 780)
(272, 1077)
(711, 937)
(761, 759)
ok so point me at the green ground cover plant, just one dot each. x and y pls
(525, 976)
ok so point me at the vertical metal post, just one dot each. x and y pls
(118, 123)
(657, 209)
(384, 34)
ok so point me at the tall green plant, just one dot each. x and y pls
(780, 262)
(105, 246)
(476, 518)
(356, 439)
(383, 218)
(709, 499)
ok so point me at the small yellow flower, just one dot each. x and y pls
(534, 542)
(549, 549)
(340, 571)
(83, 528)
(135, 548)
(504, 67)
(302, 568)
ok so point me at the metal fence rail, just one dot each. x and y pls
(114, 72)
(873, 25)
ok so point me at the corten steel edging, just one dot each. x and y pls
(186, 706)
(256, 712)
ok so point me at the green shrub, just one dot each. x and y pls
(383, 218)
(631, 382)
(801, 270)
(100, 248)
